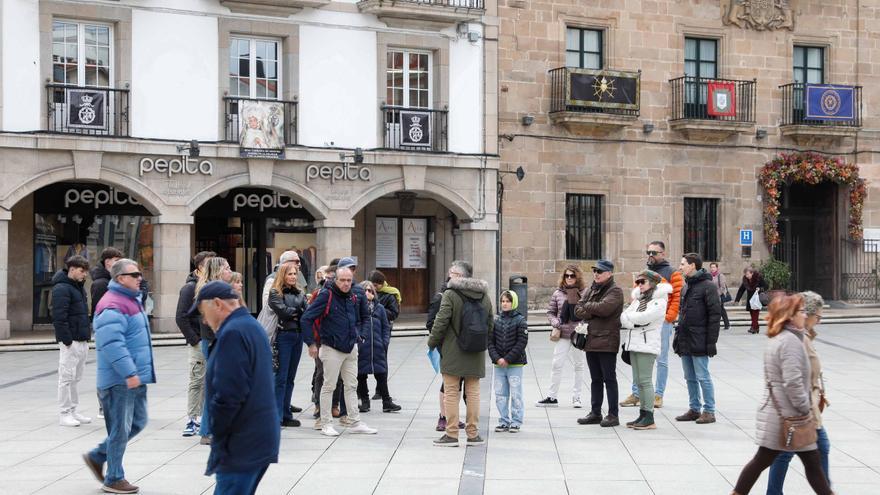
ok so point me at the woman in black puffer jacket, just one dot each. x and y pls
(507, 349)
(288, 301)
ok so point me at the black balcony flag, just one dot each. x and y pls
(86, 109)
(415, 128)
(603, 89)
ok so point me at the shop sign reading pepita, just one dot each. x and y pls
(183, 165)
(345, 171)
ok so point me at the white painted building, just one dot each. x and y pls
(333, 127)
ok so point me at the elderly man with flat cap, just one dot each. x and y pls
(239, 392)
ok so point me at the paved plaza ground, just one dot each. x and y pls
(552, 455)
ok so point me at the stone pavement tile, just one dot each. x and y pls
(280, 477)
(524, 467)
(311, 485)
(11, 458)
(409, 486)
(596, 451)
(367, 468)
(854, 489)
(675, 452)
(429, 454)
(35, 472)
(182, 480)
(720, 487)
(855, 475)
(400, 469)
(619, 471)
(684, 473)
(507, 487)
(726, 452)
(68, 486)
(610, 487)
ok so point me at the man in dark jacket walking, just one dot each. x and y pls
(189, 327)
(600, 308)
(696, 337)
(455, 363)
(336, 312)
(240, 393)
(70, 316)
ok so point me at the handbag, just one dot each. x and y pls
(797, 431)
(579, 336)
(268, 319)
(726, 298)
(764, 298)
(624, 354)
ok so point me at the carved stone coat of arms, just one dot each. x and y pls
(760, 15)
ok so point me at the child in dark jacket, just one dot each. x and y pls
(507, 349)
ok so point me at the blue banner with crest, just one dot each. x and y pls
(829, 102)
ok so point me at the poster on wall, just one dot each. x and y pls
(386, 242)
(415, 243)
(261, 129)
(86, 109)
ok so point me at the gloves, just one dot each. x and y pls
(711, 350)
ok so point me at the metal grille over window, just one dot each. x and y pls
(583, 226)
(701, 227)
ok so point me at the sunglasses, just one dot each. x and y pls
(370, 291)
(570, 275)
(596, 270)
(132, 274)
(653, 253)
(641, 281)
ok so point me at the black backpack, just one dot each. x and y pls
(474, 329)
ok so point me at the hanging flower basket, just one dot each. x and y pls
(809, 168)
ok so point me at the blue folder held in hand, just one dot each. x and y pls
(434, 357)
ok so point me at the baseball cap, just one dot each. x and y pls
(604, 266)
(347, 262)
(216, 289)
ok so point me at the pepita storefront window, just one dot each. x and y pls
(82, 219)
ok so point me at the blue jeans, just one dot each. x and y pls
(780, 465)
(662, 361)
(509, 395)
(238, 483)
(125, 415)
(696, 372)
(290, 345)
(205, 427)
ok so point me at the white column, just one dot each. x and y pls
(478, 249)
(5, 217)
(334, 239)
(171, 256)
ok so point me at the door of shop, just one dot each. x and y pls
(402, 254)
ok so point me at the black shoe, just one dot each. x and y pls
(547, 402)
(632, 423)
(364, 406)
(294, 409)
(389, 406)
(376, 396)
(590, 419)
(610, 421)
(290, 422)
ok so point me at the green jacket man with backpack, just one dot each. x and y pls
(461, 333)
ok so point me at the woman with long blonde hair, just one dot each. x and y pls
(560, 312)
(788, 386)
(215, 268)
(288, 301)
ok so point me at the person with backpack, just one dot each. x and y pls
(461, 331)
(507, 350)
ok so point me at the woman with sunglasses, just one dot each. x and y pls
(373, 353)
(560, 312)
(641, 323)
(787, 387)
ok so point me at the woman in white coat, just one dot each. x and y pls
(641, 324)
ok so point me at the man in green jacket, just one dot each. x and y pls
(455, 364)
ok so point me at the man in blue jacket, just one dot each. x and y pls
(239, 392)
(336, 311)
(125, 366)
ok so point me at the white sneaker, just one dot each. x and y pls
(68, 420)
(329, 431)
(576, 403)
(364, 429)
(82, 419)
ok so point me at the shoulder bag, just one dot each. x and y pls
(797, 431)
(579, 336)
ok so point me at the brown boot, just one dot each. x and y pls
(706, 418)
(335, 412)
(121, 486)
(690, 415)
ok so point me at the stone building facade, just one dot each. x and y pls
(669, 170)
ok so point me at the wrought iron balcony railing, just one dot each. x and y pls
(87, 110)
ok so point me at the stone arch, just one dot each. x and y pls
(437, 191)
(131, 186)
(306, 197)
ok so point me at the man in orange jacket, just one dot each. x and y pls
(657, 262)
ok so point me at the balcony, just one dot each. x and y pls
(732, 111)
(805, 130)
(273, 121)
(415, 129)
(280, 8)
(586, 100)
(87, 110)
(423, 13)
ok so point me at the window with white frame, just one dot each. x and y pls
(408, 79)
(255, 68)
(82, 53)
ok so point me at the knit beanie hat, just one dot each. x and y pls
(514, 299)
(651, 276)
